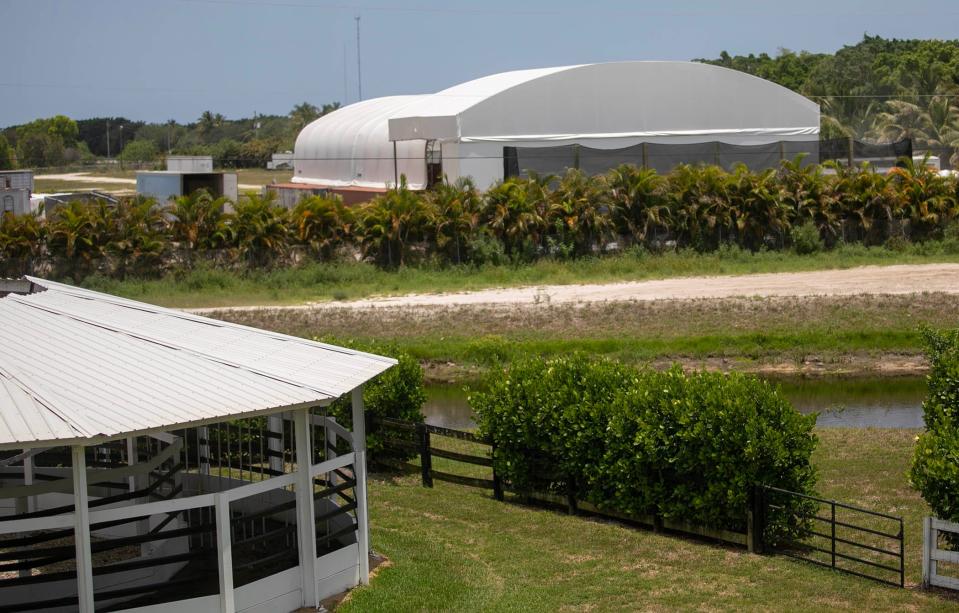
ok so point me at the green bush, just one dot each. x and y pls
(935, 468)
(683, 447)
(806, 239)
(398, 393)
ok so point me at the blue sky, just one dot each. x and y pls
(161, 59)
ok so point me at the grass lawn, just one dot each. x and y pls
(456, 549)
(350, 280)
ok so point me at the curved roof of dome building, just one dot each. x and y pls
(615, 99)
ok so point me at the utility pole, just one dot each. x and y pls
(108, 139)
(359, 65)
(346, 89)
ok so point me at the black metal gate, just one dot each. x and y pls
(843, 537)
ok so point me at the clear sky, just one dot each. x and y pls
(172, 59)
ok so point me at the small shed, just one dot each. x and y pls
(153, 460)
(168, 184)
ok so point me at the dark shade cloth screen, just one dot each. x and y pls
(520, 161)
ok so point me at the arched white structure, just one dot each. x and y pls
(350, 147)
(603, 106)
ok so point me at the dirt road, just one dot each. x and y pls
(899, 279)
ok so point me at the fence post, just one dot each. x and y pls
(571, 495)
(928, 540)
(426, 460)
(832, 506)
(497, 484)
(756, 520)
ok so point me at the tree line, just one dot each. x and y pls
(797, 206)
(878, 90)
(244, 142)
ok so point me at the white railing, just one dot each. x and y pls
(932, 555)
(220, 501)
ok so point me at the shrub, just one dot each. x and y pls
(684, 447)
(935, 468)
(806, 239)
(398, 393)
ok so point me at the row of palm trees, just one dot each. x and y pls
(702, 207)
(931, 123)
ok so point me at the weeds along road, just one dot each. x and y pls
(891, 280)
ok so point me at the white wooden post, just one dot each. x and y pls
(928, 538)
(305, 517)
(359, 472)
(224, 554)
(27, 504)
(274, 424)
(81, 531)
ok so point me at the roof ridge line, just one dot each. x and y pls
(173, 346)
(79, 292)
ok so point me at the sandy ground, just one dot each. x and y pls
(83, 177)
(898, 279)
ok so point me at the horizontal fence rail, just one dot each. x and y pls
(933, 554)
(875, 551)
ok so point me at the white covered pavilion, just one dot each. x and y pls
(463, 130)
(185, 463)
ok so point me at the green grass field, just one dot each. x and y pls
(454, 548)
(350, 280)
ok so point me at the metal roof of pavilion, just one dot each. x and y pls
(82, 365)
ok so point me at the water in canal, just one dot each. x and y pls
(841, 403)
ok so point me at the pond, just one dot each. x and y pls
(841, 403)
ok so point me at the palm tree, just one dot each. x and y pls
(928, 199)
(77, 235)
(699, 205)
(636, 200)
(513, 213)
(137, 235)
(808, 198)
(942, 122)
(390, 223)
(21, 243)
(902, 120)
(198, 221)
(757, 205)
(322, 224)
(578, 213)
(260, 229)
(206, 123)
(302, 114)
(454, 215)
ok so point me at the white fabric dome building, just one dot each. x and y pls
(667, 112)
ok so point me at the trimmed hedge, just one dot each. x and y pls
(682, 447)
(935, 468)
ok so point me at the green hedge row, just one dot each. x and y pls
(935, 469)
(685, 447)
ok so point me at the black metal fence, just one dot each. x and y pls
(835, 535)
